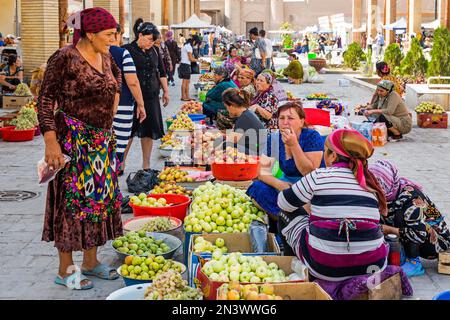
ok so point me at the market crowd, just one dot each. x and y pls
(328, 205)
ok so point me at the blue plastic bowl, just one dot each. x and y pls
(442, 296)
(195, 117)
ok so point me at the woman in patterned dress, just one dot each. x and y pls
(79, 95)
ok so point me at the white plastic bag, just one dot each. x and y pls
(45, 173)
(299, 270)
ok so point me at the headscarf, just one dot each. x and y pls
(383, 68)
(169, 35)
(269, 79)
(247, 72)
(92, 20)
(278, 90)
(353, 145)
(387, 175)
(386, 85)
(222, 71)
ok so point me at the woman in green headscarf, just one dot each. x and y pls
(387, 106)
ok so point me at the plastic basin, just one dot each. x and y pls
(177, 210)
(5, 129)
(442, 296)
(235, 171)
(132, 282)
(13, 135)
(135, 224)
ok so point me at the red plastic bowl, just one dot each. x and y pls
(12, 135)
(235, 171)
(178, 209)
(5, 129)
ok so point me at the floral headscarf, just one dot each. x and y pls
(387, 175)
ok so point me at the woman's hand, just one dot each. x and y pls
(165, 99)
(289, 138)
(53, 155)
(368, 113)
(253, 107)
(389, 230)
(283, 185)
(140, 113)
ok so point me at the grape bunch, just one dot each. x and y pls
(171, 286)
(22, 90)
(159, 224)
(26, 119)
(429, 107)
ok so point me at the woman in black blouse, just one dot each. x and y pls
(152, 76)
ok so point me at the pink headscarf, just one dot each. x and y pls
(387, 175)
(353, 145)
(169, 35)
(92, 20)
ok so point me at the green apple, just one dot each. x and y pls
(142, 196)
(188, 228)
(220, 221)
(219, 242)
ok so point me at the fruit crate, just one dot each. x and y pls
(432, 120)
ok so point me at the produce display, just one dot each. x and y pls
(170, 188)
(192, 107)
(182, 122)
(174, 174)
(158, 224)
(232, 155)
(174, 144)
(203, 144)
(27, 117)
(202, 245)
(137, 243)
(171, 286)
(290, 95)
(236, 291)
(168, 136)
(22, 90)
(429, 107)
(221, 208)
(328, 104)
(144, 201)
(237, 267)
(317, 96)
(147, 268)
(206, 77)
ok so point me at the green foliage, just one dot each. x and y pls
(393, 56)
(440, 54)
(294, 70)
(414, 63)
(353, 56)
(287, 39)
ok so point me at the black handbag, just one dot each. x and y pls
(195, 68)
(142, 181)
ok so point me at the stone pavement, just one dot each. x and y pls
(28, 266)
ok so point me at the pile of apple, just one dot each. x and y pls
(232, 155)
(202, 245)
(236, 291)
(237, 267)
(147, 268)
(144, 201)
(182, 122)
(192, 107)
(174, 144)
(221, 208)
(174, 174)
(170, 188)
(137, 243)
(203, 144)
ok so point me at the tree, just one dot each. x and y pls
(440, 54)
(353, 56)
(287, 39)
(393, 56)
(414, 63)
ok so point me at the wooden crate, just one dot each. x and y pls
(389, 289)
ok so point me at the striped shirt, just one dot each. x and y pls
(342, 237)
(125, 62)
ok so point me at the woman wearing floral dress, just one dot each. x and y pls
(265, 104)
(79, 94)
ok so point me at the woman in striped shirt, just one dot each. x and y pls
(341, 238)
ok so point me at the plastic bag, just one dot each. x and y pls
(258, 236)
(142, 181)
(299, 269)
(45, 173)
(365, 128)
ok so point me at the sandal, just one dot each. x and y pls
(73, 281)
(102, 271)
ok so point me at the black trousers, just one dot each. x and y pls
(425, 250)
(382, 119)
(284, 218)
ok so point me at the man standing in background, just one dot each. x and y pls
(269, 49)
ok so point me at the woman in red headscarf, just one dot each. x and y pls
(77, 102)
(341, 237)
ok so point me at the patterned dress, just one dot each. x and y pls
(85, 98)
(269, 102)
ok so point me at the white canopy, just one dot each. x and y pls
(194, 22)
(432, 25)
(310, 29)
(399, 24)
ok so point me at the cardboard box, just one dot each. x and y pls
(389, 289)
(210, 287)
(15, 102)
(235, 242)
(431, 120)
(444, 262)
(299, 291)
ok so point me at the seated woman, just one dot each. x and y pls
(294, 71)
(299, 151)
(265, 103)
(232, 60)
(341, 237)
(412, 216)
(249, 130)
(12, 74)
(384, 72)
(245, 79)
(387, 106)
(213, 102)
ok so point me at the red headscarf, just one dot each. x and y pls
(91, 20)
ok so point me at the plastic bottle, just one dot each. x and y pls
(394, 249)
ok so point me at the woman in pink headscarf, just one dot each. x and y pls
(77, 102)
(341, 237)
(412, 216)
